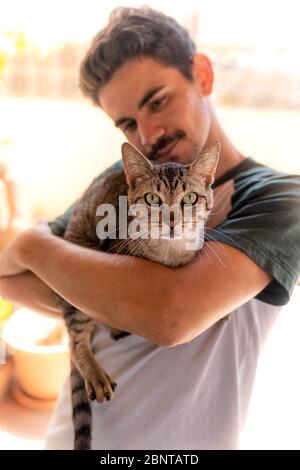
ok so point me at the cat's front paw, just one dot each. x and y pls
(99, 385)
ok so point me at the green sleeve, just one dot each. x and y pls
(59, 224)
(264, 223)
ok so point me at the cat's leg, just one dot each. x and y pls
(99, 385)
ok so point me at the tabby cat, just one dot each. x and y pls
(151, 186)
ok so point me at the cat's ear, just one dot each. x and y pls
(136, 165)
(204, 167)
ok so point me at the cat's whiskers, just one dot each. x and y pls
(137, 237)
(149, 243)
(118, 228)
(205, 252)
(215, 241)
(136, 248)
(215, 212)
(208, 229)
(119, 246)
(213, 251)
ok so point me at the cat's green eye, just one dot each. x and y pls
(190, 198)
(152, 198)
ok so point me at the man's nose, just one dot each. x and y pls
(150, 132)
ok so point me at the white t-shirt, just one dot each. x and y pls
(192, 396)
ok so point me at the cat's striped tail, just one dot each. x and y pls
(82, 414)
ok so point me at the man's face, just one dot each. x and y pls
(159, 111)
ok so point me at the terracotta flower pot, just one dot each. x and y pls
(40, 368)
(5, 376)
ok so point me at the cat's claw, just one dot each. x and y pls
(117, 334)
(100, 386)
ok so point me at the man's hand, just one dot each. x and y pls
(29, 291)
(26, 289)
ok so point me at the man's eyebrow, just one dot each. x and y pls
(141, 103)
(148, 96)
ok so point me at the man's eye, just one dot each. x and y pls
(157, 103)
(130, 126)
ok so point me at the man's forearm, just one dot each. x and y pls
(124, 292)
(28, 290)
(167, 306)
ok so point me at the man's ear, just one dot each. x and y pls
(203, 74)
(136, 164)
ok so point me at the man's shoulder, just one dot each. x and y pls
(263, 221)
(266, 189)
(114, 167)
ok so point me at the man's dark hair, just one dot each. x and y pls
(133, 33)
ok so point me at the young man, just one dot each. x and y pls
(185, 378)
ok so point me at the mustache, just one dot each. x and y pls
(163, 142)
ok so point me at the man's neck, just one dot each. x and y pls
(229, 157)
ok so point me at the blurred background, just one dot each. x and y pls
(53, 142)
